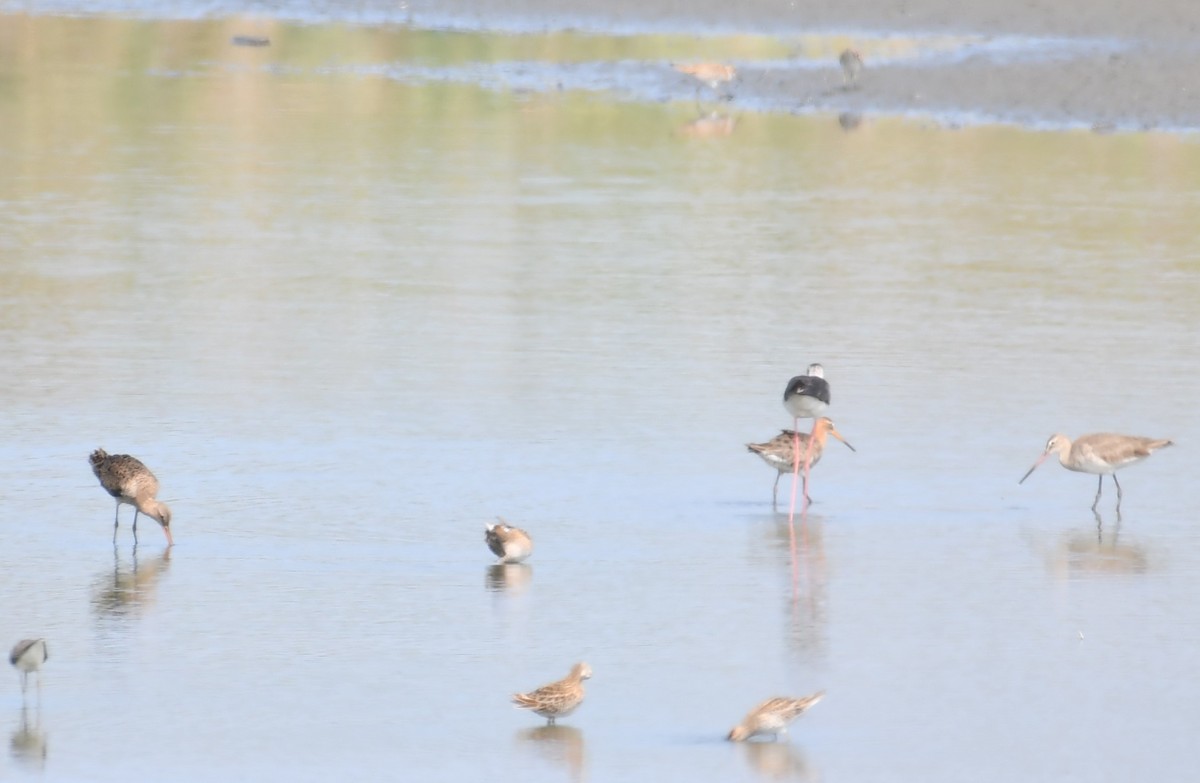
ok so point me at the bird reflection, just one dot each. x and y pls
(807, 624)
(1081, 553)
(129, 587)
(776, 760)
(709, 126)
(511, 577)
(27, 746)
(562, 745)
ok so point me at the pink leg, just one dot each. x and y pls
(812, 435)
(795, 464)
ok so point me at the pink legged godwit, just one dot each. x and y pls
(558, 699)
(712, 74)
(129, 481)
(1102, 453)
(510, 544)
(852, 65)
(773, 716)
(780, 452)
(28, 655)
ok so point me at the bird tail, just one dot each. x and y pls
(523, 701)
(98, 456)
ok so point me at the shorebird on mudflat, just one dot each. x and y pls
(773, 716)
(129, 481)
(558, 699)
(510, 544)
(1102, 453)
(780, 452)
(27, 656)
(852, 65)
(712, 74)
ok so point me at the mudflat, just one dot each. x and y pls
(1105, 64)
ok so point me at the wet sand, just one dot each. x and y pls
(1123, 66)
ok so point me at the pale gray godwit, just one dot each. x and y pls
(1102, 453)
(558, 699)
(510, 544)
(129, 481)
(780, 452)
(27, 656)
(773, 716)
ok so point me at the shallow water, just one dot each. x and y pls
(348, 319)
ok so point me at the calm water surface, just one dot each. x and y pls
(350, 317)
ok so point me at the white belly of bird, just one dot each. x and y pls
(805, 407)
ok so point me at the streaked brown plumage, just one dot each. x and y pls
(558, 699)
(780, 452)
(773, 716)
(129, 481)
(712, 74)
(1102, 453)
(510, 544)
(27, 656)
(852, 65)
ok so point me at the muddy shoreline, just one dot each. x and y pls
(1137, 72)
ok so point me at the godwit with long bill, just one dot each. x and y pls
(129, 481)
(1102, 453)
(780, 452)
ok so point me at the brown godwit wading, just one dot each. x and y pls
(1102, 453)
(28, 655)
(712, 74)
(558, 699)
(773, 716)
(510, 544)
(129, 481)
(780, 452)
(852, 65)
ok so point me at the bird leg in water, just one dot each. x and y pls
(1099, 489)
(1118, 492)
(812, 436)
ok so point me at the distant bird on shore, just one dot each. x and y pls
(558, 699)
(773, 716)
(510, 544)
(1101, 453)
(129, 481)
(780, 452)
(712, 74)
(27, 656)
(852, 65)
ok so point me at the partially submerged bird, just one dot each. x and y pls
(852, 65)
(780, 452)
(1102, 453)
(510, 544)
(28, 655)
(773, 716)
(129, 481)
(712, 74)
(558, 699)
